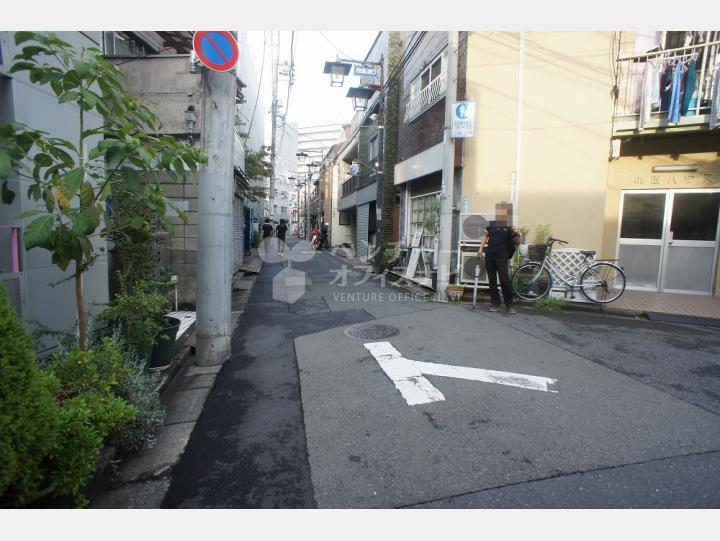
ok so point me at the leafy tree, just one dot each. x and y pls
(76, 180)
(257, 164)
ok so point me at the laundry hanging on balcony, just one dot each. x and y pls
(650, 92)
(677, 88)
(715, 99)
(688, 104)
(674, 109)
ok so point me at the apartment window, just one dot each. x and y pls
(283, 210)
(429, 74)
(122, 44)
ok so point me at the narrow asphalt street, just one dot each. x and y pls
(589, 410)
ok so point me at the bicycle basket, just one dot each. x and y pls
(536, 252)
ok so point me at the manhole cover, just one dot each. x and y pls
(371, 331)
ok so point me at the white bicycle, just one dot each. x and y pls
(600, 282)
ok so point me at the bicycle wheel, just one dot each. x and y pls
(531, 281)
(602, 282)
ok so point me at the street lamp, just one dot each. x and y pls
(360, 97)
(312, 168)
(301, 183)
(338, 71)
(301, 156)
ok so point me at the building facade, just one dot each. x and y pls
(169, 80)
(591, 148)
(39, 290)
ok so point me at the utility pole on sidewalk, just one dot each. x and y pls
(215, 193)
(274, 112)
(448, 171)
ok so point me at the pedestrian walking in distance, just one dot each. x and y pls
(267, 231)
(280, 231)
(315, 236)
(324, 231)
(496, 247)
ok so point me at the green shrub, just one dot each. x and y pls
(140, 390)
(53, 421)
(29, 416)
(542, 233)
(549, 304)
(390, 257)
(139, 313)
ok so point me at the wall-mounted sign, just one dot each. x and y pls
(463, 119)
(366, 70)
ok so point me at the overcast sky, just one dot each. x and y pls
(312, 100)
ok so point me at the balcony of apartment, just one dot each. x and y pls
(669, 90)
(425, 93)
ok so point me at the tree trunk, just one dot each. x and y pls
(82, 323)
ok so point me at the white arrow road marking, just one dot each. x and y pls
(407, 375)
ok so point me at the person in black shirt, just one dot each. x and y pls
(280, 231)
(267, 229)
(324, 231)
(495, 248)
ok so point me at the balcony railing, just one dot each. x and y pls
(353, 184)
(645, 87)
(426, 98)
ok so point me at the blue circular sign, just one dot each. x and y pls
(461, 110)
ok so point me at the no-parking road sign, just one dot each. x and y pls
(216, 49)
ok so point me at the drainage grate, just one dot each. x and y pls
(371, 331)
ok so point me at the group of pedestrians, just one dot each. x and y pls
(319, 235)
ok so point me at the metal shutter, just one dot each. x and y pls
(237, 234)
(363, 217)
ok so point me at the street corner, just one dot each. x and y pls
(289, 285)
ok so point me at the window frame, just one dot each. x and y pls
(416, 86)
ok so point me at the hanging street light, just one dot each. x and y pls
(301, 156)
(338, 71)
(360, 97)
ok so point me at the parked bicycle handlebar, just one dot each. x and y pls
(552, 240)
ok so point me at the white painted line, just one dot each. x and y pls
(407, 375)
(537, 383)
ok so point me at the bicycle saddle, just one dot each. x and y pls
(588, 253)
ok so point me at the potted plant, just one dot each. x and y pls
(522, 251)
(140, 313)
(455, 292)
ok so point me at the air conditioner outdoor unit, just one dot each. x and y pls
(468, 261)
(472, 226)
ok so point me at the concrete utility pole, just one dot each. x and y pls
(215, 193)
(448, 171)
(274, 112)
